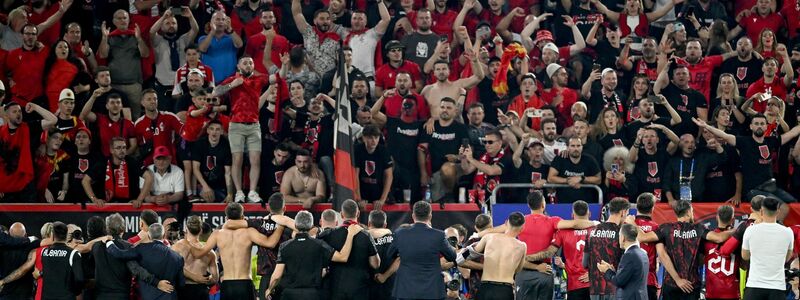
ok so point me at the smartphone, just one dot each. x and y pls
(596, 67)
(653, 98)
(689, 11)
(443, 38)
(614, 168)
(465, 143)
(176, 11)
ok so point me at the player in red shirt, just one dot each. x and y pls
(753, 22)
(702, 67)
(26, 65)
(244, 89)
(573, 241)
(386, 73)
(722, 276)
(644, 208)
(771, 83)
(256, 44)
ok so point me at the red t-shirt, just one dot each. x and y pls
(194, 126)
(39, 266)
(443, 22)
(572, 242)
(791, 12)
(255, 49)
(722, 273)
(777, 88)
(472, 20)
(245, 97)
(701, 74)
(161, 132)
(250, 28)
(108, 129)
(647, 225)
(385, 75)
(393, 106)
(755, 23)
(60, 77)
(27, 69)
(538, 232)
(49, 36)
(564, 113)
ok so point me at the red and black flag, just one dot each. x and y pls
(345, 173)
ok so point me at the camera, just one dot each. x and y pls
(453, 241)
(455, 284)
(77, 235)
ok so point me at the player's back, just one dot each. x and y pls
(501, 258)
(234, 251)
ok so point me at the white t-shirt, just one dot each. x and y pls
(363, 46)
(768, 244)
(170, 182)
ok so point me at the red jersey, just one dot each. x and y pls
(538, 232)
(255, 49)
(245, 97)
(569, 97)
(777, 88)
(796, 233)
(647, 224)
(161, 131)
(50, 35)
(195, 126)
(640, 66)
(109, 129)
(394, 104)
(573, 242)
(386, 74)
(791, 12)
(755, 23)
(443, 22)
(26, 68)
(38, 265)
(701, 74)
(722, 276)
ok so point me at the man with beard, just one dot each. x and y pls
(745, 66)
(18, 141)
(195, 85)
(445, 88)
(576, 170)
(647, 63)
(491, 100)
(581, 129)
(442, 146)
(25, 66)
(700, 67)
(220, 45)
(102, 77)
(120, 176)
(110, 125)
(273, 170)
(491, 167)
(124, 51)
(244, 88)
(685, 175)
(651, 162)
(374, 167)
(559, 95)
(211, 165)
(402, 138)
(193, 63)
(762, 16)
(157, 128)
(606, 95)
(534, 170)
(552, 146)
(363, 40)
(303, 183)
(267, 46)
(385, 76)
(359, 90)
(757, 153)
(80, 47)
(169, 49)
(200, 273)
(321, 42)
(771, 83)
(686, 99)
(647, 116)
(403, 88)
(419, 44)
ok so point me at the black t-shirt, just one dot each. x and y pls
(756, 160)
(99, 106)
(598, 101)
(371, 167)
(213, 160)
(353, 275)
(686, 102)
(64, 272)
(745, 72)
(649, 171)
(314, 133)
(682, 241)
(401, 141)
(270, 136)
(586, 167)
(526, 173)
(10, 260)
(382, 245)
(443, 141)
(304, 257)
(112, 275)
(491, 101)
(602, 244)
(82, 164)
(606, 54)
(632, 128)
(272, 176)
(612, 140)
(720, 182)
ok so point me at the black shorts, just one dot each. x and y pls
(300, 294)
(185, 150)
(193, 291)
(763, 294)
(491, 290)
(578, 294)
(652, 292)
(242, 289)
(668, 292)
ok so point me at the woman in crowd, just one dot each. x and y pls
(639, 91)
(607, 130)
(60, 68)
(729, 98)
(618, 168)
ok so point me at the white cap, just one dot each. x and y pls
(552, 69)
(66, 94)
(551, 46)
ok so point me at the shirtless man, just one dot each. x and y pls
(503, 257)
(199, 272)
(234, 250)
(443, 87)
(303, 183)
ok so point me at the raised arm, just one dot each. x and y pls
(729, 138)
(299, 19)
(211, 243)
(655, 15)
(612, 15)
(264, 241)
(380, 28)
(530, 29)
(144, 50)
(63, 6)
(502, 26)
(577, 36)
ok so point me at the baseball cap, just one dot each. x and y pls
(534, 142)
(197, 71)
(66, 94)
(543, 35)
(161, 151)
(393, 44)
(551, 46)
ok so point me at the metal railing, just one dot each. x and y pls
(493, 199)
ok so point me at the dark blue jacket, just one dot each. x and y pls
(631, 275)
(420, 274)
(159, 260)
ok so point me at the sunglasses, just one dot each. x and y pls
(490, 142)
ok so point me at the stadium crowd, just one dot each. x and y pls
(201, 101)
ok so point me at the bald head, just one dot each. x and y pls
(17, 230)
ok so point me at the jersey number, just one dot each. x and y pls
(579, 245)
(719, 264)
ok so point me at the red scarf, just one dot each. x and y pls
(118, 32)
(326, 35)
(483, 181)
(312, 137)
(117, 181)
(281, 93)
(17, 171)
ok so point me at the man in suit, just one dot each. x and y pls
(631, 279)
(156, 258)
(419, 248)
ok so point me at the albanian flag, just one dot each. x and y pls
(500, 83)
(16, 163)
